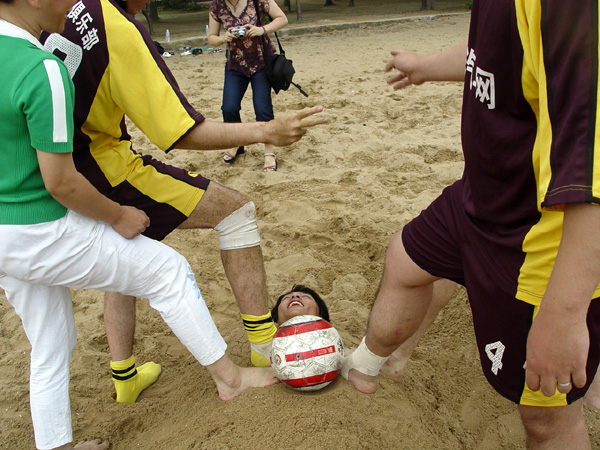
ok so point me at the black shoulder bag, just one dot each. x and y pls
(280, 70)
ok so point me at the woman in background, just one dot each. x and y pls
(245, 60)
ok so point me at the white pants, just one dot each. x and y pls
(38, 265)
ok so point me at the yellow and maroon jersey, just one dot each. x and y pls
(100, 45)
(529, 125)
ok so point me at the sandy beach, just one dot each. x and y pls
(325, 218)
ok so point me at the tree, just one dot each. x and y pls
(151, 15)
(288, 3)
(153, 9)
(350, 2)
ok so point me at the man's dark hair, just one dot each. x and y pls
(323, 311)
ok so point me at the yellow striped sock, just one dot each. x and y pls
(131, 381)
(260, 330)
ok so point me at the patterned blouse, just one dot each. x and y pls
(243, 54)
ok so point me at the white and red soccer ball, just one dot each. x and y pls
(306, 353)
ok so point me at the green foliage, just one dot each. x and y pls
(469, 4)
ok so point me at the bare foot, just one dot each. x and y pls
(363, 383)
(232, 380)
(96, 444)
(394, 367)
(592, 397)
(270, 163)
(230, 156)
(443, 290)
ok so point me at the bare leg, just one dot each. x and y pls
(232, 380)
(404, 297)
(592, 397)
(246, 274)
(244, 268)
(394, 367)
(559, 427)
(119, 320)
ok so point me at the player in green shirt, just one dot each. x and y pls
(58, 232)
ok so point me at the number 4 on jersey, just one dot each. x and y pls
(494, 351)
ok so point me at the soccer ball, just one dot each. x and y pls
(306, 353)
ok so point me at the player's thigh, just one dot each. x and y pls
(217, 203)
(401, 271)
(434, 239)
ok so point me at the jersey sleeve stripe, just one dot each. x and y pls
(59, 109)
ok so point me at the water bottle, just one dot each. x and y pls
(206, 31)
(167, 36)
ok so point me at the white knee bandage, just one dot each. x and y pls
(238, 229)
(363, 360)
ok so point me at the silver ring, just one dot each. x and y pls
(564, 384)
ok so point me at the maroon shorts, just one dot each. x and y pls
(167, 194)
(444, 241)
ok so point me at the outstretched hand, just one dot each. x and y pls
(408, 67)
(289, 129)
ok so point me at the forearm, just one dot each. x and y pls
(276, 24)
(73, 190)
(216, 40)
(448, 65)
(76, 193)
(558, 341)
(408, 68)
(576, 272)
(209, 135)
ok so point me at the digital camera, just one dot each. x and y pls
(238, 31)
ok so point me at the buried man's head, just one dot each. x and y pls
(300, 300)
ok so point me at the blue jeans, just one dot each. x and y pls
(236, 84)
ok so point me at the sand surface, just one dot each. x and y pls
(325, 218)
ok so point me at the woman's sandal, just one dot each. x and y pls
(271, 168)
(229, 158)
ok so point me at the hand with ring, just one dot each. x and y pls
(563, 388)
